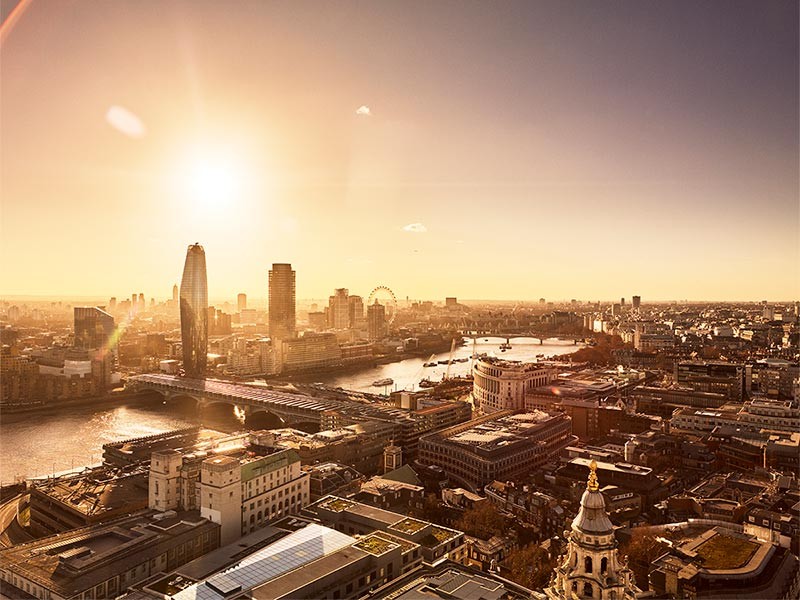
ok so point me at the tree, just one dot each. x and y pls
(530, 566)
(482, 521)
(432, 510)
(642, 549)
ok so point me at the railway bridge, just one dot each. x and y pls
(292, 409)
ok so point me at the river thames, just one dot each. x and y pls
(35, 444)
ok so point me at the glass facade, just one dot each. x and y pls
(194, 312)
(282, 323)
(93, 327)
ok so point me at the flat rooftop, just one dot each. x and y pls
(453, 581)
(72, 562)
(184, 440)
(619, 467)
(98, 491)
(502, 431)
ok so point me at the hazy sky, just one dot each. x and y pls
(484, 150)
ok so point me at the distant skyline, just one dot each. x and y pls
(531, 149)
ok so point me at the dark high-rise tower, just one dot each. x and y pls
(281, 302)
(94, 327)
(194, 312)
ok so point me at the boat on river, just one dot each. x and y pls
(383, 382)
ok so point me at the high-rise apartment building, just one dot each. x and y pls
(282, 322)
(339, 309)
(93, 327)
(376, 321)
(194, 312)
(241, 302)
(637, 302)
(355, 305)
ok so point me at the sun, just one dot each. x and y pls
(211, 179)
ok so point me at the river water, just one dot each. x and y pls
(37, 444)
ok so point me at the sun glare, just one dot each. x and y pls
(212, 180)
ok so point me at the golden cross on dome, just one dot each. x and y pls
(592, 484)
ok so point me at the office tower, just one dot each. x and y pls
(339, 309)
(622, 302)
(241, 302)
(355, 308)
(376, 321)
(134, 304)
(282, 322)
(219, 322)
(175, 293)
(93, 327)
(451, 302)
(142, 303)
(112, 304)
(637, 302)
(194, 312)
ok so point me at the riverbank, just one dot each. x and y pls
(107, 400)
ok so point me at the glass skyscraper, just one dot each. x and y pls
(94, 327)
(194, 312)
(282, 323)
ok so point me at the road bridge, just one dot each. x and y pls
(473, 334)
(291, 408)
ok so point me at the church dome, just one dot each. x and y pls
(592, 517)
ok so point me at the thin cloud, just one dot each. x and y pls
(415, 228)
(363, 111)
(125, 122)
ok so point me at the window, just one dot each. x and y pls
(603, 565)
(587, 589)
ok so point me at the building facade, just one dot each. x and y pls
(501, 384)
(240, 492)
(94, 327)
(282, 297)
(376, 321)
(194, 312)
(501, 446)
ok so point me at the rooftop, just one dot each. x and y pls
(100, 490)
(725, 552)
(293, 554)
(72, 562)
(502, 431)
(450, 581)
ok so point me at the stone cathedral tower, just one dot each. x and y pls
(591, 568)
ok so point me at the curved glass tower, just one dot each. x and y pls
(194, 312)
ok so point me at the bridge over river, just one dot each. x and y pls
(291, 408)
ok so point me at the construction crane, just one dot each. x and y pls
(450, 361)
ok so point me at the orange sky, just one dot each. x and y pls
(541, 151)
